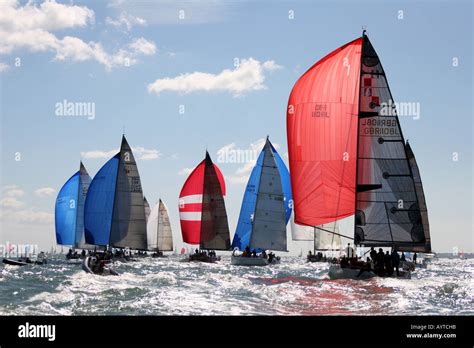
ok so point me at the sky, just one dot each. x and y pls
(180, 77)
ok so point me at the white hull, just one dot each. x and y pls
(250, 261)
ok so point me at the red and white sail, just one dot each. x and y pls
(191, 201)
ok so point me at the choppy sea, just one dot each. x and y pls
(167, 286)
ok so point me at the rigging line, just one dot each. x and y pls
(338, 234)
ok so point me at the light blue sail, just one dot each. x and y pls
(99, 203)
(66, 211)
(243, 233)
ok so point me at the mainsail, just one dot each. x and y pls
(267, 204)
(159, 232)
(387, 204)
(348, 155)
(202, 210)
(421, 202)
(69, 209)
(114, 209)
(147, 208)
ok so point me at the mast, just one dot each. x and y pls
(357, 134)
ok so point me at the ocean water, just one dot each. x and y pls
(169, 287)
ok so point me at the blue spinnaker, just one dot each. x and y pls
(66, 211)
(100, 203)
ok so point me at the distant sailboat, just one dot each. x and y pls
(266, 209)
(69, 211)
(202, 210)
(348, 155)
(159, 234)
(115, 210)
(325, 238)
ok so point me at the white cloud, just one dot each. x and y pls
(185, 171)
(47, 16)
(139, 152)
(248, 76)
(10, 202)
(13, 211)
(246, 157)
(28, 216)
(12, 191)
(145, 154)
(125, 20)
(30, 27)
(166, 12)
(45, 192)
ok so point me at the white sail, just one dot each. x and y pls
(159, 234)
(300, 232)
(322, 240)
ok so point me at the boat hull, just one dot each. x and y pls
(203, 258)
(14, 262)
(336, 272)
(251, 261)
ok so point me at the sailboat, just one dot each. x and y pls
(159, 234)
(202, 211)
(265, 211)
(69, 212)
(114, 213)
(326, 238)
(348, 156)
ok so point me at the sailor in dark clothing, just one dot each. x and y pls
(403, 257)
(395, 261)
(83, 253)
(379, 263)
(254, 253)
(388, 264)
(414, 258)
(270, 257)
(247, 253)
(373, 254)
(344, 262)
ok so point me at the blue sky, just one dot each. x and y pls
(239, 108)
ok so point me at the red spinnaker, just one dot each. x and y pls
(190, 203)
(322, 118)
